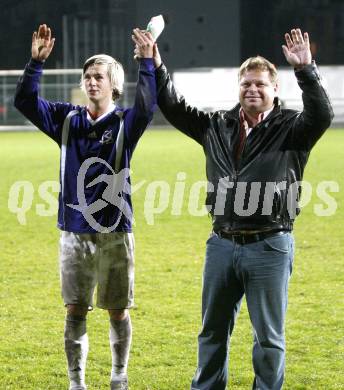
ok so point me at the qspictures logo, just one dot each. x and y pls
(162, 197)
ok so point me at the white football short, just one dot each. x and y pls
(105, 260)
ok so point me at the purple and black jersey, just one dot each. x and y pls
(95, 156)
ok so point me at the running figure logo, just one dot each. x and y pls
(117, 185)
(107, 138)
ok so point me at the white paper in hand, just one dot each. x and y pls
(155, 26)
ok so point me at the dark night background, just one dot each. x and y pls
(220, 33)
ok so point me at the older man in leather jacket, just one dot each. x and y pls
(255, 157)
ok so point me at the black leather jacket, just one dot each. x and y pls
(260, 191)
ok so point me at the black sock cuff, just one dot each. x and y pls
(72, 317)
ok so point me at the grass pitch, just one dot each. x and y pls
(169, 257)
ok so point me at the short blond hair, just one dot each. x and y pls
(261, 64)
(114, 70)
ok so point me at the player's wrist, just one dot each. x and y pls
(39, 60)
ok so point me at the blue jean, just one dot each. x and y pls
(260, 270)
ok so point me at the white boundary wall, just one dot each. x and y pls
(212, 89)
(208, 89)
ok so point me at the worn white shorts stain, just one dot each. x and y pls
(102, 260)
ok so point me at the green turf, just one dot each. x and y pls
(169, 257)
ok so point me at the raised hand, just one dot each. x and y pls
(144, 43)
(297, 52)
(42, 43)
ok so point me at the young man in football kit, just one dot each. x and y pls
(95, 210)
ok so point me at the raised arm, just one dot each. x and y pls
(47, 116)
(177, 111)
(317, 111)
(139, 116)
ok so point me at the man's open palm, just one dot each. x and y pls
(42, 43)
(297, 52)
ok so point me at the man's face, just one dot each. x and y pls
(256, 91)
(97, 83)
